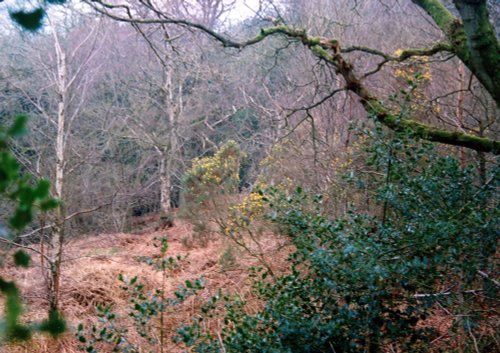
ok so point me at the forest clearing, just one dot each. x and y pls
(230, 176)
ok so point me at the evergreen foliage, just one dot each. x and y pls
(369, 282)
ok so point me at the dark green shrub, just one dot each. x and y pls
(370, 282)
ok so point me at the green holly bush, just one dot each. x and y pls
(372, 281)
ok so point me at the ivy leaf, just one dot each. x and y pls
(49, 204)
(54, 325)
(21, 218)
(9, 170)
(42, 189)
(19, 332)
(13, 310)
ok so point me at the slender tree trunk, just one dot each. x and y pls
(166, 218)
(460, 110)
(168, 154)
(58, 230)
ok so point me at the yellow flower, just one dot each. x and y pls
(398, 52)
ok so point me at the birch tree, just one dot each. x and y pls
(57, 100)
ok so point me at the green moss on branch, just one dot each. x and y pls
(473, 39)
(429, 133)
(329, 50)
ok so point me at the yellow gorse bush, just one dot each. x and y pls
(217, 174)
(243, 213)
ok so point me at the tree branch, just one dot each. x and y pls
(67, 218)
(17, 245)
(329, 50)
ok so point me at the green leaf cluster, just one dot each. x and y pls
(17, 185)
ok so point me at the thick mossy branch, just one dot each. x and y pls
(439, 13)
(449, 24)
(439, 47)
(426, 132)
(473, 39)
(329, 50)
(482, 44)
(405, 54)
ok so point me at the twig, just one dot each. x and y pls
(487, 276)
(221, 342)
(471, 291)
(473, 338)
(17, 245)
(89, 210)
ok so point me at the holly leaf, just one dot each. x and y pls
(29, 20)
(21, 258)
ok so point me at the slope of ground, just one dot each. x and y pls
(92, 266)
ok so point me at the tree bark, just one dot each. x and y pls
(473, 39)
(375, 107)
(482, 44)
(166, 217)
(168, 155)
(58, 231)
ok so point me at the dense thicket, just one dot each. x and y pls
(366, 282)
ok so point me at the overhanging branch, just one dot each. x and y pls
(329, 50)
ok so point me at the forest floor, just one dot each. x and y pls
(90, 279)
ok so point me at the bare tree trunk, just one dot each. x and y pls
(166, 217)
(58, 230)
(460, 110)
(168, 155)
(60, 76)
